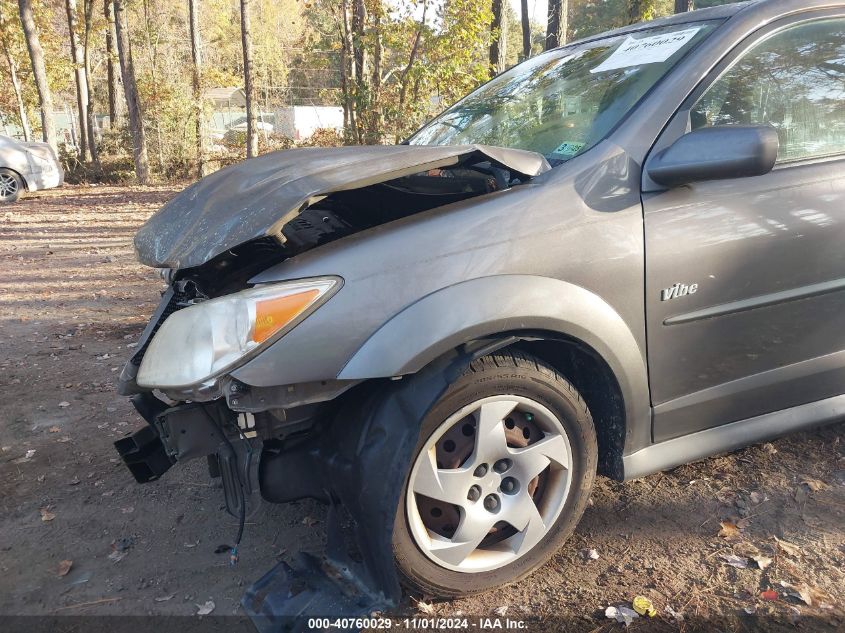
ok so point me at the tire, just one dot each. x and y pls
(11, 186)
(492, 384)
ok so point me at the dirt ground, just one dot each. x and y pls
(72, 302)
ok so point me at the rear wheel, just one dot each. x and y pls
(501, 475)
(11, 185)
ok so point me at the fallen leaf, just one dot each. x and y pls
(677, 615)
(735, 561)
(164, 598)
(757, 498)
(730, 530)
(621, 614)
(643, 606)
(770, 448)
(770, 594)
(802, 593)
(64, 567)
(789, 548)
(501, 611)
(117, 556)
(762, 561)
(813, 484)
(425, 607)
(205, 609)
(590, 554)
(46, 515)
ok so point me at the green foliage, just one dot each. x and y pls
(412, 67)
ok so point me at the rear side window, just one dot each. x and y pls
(793, 81)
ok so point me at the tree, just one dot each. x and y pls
(196, 76)
(130, 89)
(557, 23)
(115, 86)
(249, 83)
(682, 6)
(641, 10)
(497, 39)
(6, 46)
(79, 76)
(86, 65)
(39, 72)
(526, 29)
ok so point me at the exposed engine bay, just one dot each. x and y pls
(343, 213)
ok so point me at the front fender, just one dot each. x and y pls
(480, 307)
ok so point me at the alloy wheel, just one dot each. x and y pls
(489, 483)
(8, 186)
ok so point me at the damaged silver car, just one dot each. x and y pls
(617, 257)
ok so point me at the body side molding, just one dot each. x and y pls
(728, 437)
(774, 298)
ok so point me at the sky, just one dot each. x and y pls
(537, 9)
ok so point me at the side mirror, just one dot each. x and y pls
(713, 153)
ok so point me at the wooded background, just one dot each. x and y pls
(130, 77)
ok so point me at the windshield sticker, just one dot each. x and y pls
(568, 148)
(647, 50)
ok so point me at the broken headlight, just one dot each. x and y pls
(205, 340)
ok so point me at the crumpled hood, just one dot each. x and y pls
(257, 197)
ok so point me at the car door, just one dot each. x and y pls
(745, 277)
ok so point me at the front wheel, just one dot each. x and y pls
(11, 185)
(500, 477)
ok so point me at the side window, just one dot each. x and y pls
(793, 81)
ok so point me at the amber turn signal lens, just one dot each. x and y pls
(271, 315)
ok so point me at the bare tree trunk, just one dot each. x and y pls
(79, 77)
(116, 110)
(13, 75)
(16, 87)
(682, 6)
(39, 72)
(497, 43)
(249, 83)
(359, 57)
(346, 70)
(196, 57)
(375, 129)
(86, 56)
(403, 85)
(558, 23)
(526, 30)
(130, 88)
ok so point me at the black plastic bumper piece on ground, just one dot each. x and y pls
(144, 454)
(364, 463)
(285, 598)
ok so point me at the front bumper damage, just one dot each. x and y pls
(357, 463)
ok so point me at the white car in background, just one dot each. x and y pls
(27, 167)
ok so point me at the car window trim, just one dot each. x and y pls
(680, 124)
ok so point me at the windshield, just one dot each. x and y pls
(564, 101)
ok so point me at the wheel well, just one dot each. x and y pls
(19, 175)
(596, 383)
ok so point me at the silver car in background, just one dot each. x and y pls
(27, 167)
